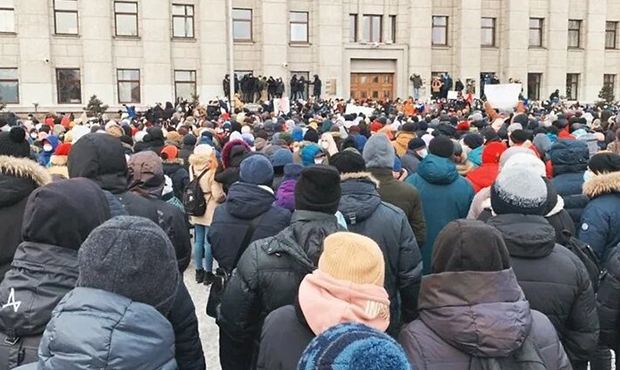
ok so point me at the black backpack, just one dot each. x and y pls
(587, 255)
(194, 200)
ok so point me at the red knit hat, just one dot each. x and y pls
(375, 126)
(63, 149)
(169, 152)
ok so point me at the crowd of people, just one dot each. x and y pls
(252, 89)
(427, 235)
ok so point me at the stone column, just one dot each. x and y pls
(467, 40)
(594, 42)
(275, 37)
(213, 51)
(556, 42)
(156, 76)
(514, 52)
(420, 56)
(330, 35)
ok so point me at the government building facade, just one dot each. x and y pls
(55, 54)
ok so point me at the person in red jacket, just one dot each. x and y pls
(484, 176)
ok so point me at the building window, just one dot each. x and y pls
(128, 85)
(574, 33)
(611, 29)
(299, 27)
(242, 24)
(391, 33)
(9, 86)
(184, 84)
(183, 21)
(69, 86)
(536, 32)
(126, 18)
(372, 28)
(572, 86)
(353, 27)
(487, 36)
(7, 16)
(65, 17)
(534, 83)
(440, 30)
(608, 80)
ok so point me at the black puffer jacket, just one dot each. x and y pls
(188, 347)
(366, 214)
(18, 178)
(45, 267)
(231, 221)
(177, 172)
(554, 281)
(268, 277)
(608, 299)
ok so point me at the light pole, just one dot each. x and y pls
(231, 60)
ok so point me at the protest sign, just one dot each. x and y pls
(352, 108)
(503, 97)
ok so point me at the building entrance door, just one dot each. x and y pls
(377, 86)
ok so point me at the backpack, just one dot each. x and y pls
(194, 200)
(587, 255)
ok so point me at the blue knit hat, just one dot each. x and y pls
(281, 157)
(353, 346)
(256, 169)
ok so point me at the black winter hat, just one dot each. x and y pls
(14, 144)
(441, 146)
(311, 135)
(132, 257)
(519, 136)
(318, 189)
(604, 163)
(409, 127)
(473, 141)
(458, 248)
(415, 144)
(348, 162)
(489, 135)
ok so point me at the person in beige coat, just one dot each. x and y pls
(203, 159)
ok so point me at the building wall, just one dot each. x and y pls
(36, 51)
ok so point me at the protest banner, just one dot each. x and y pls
(352, 108)
(503, 97)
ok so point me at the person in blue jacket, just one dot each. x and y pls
(446, 196)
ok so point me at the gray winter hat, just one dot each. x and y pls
(519, 190)
(379, 152)
(132, 257)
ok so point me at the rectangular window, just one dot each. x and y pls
(534, 83)
(184, 84)
(126, 18)
(611, 32)
(391, 32)
(372, 28)
(572, 86)
(536, 32)
(183, 21)
(68, 86)
(487, 33)
(65, 17)
(7, 16)
(298, 25)
(242, 24)
(353, 28)
(610, 80)
(574, 33)
(440, 30)
(9, 86)
(128, 85)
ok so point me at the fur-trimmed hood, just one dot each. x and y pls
(602, 184)
(360, 176)
(234, 152)
(18, 178)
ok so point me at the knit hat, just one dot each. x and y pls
(14, 144)
(169, 152)
(604, 163)
(352, 257)
(132, 257)
(353, 346)
(473, 141)
(441, 146)
(458, 248)
(281, 157)
(318, 189)
(348, 162)
(311, 135)
(513, 151)
(524, 160)
(519, 136)
(63, 149)
(256, 169)
(379, 152)
(519, 190)
(415, 144)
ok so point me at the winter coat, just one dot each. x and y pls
(470, 314)
(232, 219)
(401, 144)
(18, 178)
(92, 328)
(445, 195)
(404, 197)
(484, 176)
(410, 161)
(182, 316)
(554, 281)
(387, 225)
(285, 197)
(608, 301)
(267, 277)
(177, 172)
(570, 160)
(600, 221)
(213, 191)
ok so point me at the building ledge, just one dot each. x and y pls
(542, 48)
(127, 38)
(8, 34)
(299, 44)
(66, 36)
(184, 39)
